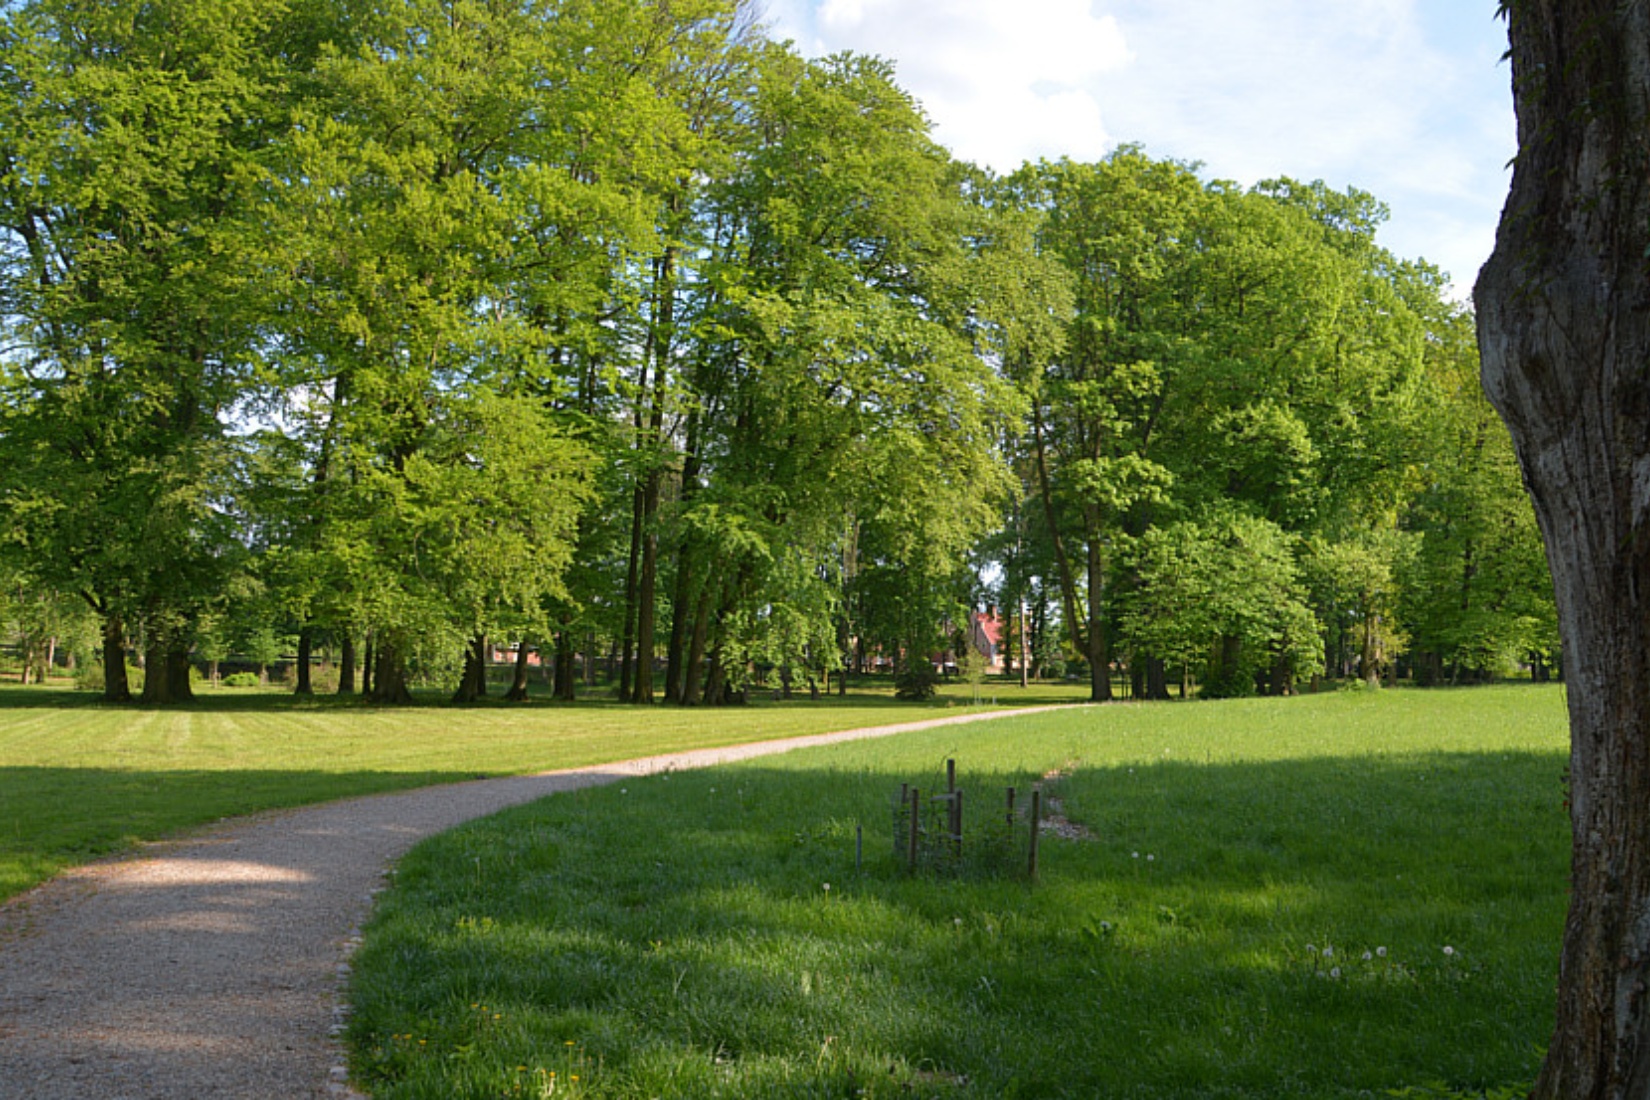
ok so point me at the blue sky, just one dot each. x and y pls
(1407, 99)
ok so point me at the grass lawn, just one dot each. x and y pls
(1351, 895)
(79, 780)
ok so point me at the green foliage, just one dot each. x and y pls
(241, 680)
(915, 683)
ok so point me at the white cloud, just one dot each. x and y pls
(1002, 82)
(1398, 97)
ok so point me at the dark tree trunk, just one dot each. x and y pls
(472, 684)
(1282, 680)
(630, 585)
(693, 674)
(682, 601)
(306, 649)
(368, 660)
(1564, 331)
(166, 674)
(566, 669)
(389, 675)
(154, 671)
(716, 680)
(346, 665)
(518, 682)
(1157, 679)
(647, 594)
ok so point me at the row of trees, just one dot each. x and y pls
(613, 324)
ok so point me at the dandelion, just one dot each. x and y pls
(1150, 858)
(1136, 855)
(624, 790)
(957, 921)
(1367, 956)
(1448, 950)
(1329, 952)
(827, 888)
(1334, 972)
(1380, 952)
(1311, 950)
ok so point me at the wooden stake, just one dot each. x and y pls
(1011, 811)
(956, 822)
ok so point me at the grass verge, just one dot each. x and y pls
(1337, 896)
(79, 780)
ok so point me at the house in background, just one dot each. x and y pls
(988, 634)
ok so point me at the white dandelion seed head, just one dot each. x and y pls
(1150, 858)
(1329, 952)
(1136, 855)
(1312, 948)
(1448, 950)
(1335, 972)
(1380, 952)
(1367, 956)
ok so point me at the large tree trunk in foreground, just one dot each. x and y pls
(1564, 328)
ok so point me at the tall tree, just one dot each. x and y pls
(132, 139)
(1564, 329)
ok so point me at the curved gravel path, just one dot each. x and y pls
(213, 966)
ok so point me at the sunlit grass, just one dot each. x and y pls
(79, 779)
(1323, 897)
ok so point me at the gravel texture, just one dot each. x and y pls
(214, 966)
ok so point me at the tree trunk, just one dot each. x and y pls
(389, 675)
(346, 664)
(518, 683)
(154, 671)
(1157, 679)
(566, 669)
(306, 649)
(166, 673)
(1564, 331)
(368, 659)
(1369, 663)
(630, 585)
(1099, 653)
(472, 683)
(647, 593)
(693, 675)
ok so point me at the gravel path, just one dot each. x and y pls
(212, 966)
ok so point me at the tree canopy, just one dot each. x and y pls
(620, 333)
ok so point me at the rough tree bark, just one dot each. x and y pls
(1564, 331)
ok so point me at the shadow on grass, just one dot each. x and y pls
(1329, 927)
(52, 818)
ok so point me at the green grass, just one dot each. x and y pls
(80, 780)
(675, 937)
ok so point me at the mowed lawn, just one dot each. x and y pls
(1350, 895)
(79, 780)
